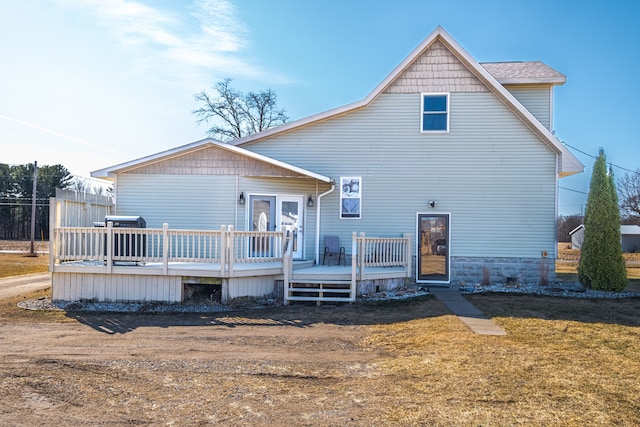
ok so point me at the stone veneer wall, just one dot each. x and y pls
(501, 270)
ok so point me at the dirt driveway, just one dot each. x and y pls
(18, 285)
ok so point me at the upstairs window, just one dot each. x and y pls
(435, 113)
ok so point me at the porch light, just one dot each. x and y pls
(433, 203)
(241, 198)
(310, 202)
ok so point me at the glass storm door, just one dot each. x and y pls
(433, 248)
(262, 212)
(291, 219)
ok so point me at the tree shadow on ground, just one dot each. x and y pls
(297, 316)
(624, 312)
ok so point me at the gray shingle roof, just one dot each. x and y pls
(524, 72)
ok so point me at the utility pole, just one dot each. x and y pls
(33, 207)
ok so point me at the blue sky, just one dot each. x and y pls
(92, 83)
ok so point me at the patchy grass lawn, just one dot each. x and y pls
(18, 264)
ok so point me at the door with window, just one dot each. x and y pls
(433, 248)
(276, 213)
(291, 214)
(262, 214)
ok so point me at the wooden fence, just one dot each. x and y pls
(75, 209)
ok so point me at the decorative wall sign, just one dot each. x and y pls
(350, 197)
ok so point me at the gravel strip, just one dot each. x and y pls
(557, 289)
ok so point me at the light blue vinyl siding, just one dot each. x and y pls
(494, 176)
(202, 202)
(536, 99)
(206, 202)
(286, 187)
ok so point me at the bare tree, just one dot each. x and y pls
(629, 195)
(233, 114)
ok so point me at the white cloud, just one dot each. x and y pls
(206, 36)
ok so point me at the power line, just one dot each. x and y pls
(595, 157)
(571, 189)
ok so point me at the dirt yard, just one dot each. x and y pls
(563, 362)
(266, 367)
(409, 363)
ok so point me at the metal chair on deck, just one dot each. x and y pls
(333, 249)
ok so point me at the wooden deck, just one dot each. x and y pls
(160, 262)
(200, 269)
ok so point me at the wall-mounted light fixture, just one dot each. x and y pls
(310, 201)
(241, 198)
(433, 203)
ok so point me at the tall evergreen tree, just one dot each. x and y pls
(602, 265)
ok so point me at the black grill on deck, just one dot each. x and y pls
(128, 244)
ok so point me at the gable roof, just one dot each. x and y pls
(110, 172)
(568, 164)
(534, 72)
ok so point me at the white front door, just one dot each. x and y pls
(291, 215)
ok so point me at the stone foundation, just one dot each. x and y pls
(366, 287)
(501, 270)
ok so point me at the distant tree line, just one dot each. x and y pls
(16, 193)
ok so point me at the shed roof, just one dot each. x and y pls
(575, 230)
(630, 229)
(533, 72)
(625, 230)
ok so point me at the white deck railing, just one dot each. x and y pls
(370, 257)
(370, 252)
(225, 247)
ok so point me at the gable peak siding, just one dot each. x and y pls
(212, 161)
(436, 70)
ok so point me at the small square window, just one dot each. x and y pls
(435, 113)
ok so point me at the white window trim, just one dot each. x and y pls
(448, 97)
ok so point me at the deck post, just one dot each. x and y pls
(223, 248)
(53, 244)
(109, 247)
(361, 256)
(408, 253)
(165, 248)
(355, 254)
(286, 264)
(231, 248)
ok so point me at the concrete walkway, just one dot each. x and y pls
(476, 320)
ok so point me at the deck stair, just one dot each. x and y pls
(320, 290)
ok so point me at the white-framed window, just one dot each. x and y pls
(350, 197)
(435, 112)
